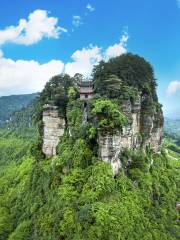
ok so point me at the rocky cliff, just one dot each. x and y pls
(124, 112)
(53, 129)
(144, 129)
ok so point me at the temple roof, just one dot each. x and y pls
(86, 84)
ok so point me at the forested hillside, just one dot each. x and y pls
(74, 194)
(40, 200)
(10, 104)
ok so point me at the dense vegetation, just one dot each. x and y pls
(73, 195)
(10, 104)
(128, 73)
(56, 92)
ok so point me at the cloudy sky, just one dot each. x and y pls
(42, 38)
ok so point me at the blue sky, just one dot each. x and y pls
(41, 38)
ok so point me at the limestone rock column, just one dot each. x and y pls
(53, 129)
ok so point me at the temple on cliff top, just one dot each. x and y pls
(86, 89)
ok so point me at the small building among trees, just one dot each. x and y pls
(86, 89)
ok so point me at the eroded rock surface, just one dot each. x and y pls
(53, 129)
(144, 129)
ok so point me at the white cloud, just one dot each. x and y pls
(173, 87)
(84, 60)
(77, 21)
(27, 32)
(30, 76)
(1, 53)
(26, 76)
(90, 7)
(118, 48)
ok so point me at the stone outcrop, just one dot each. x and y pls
(53, 129)
(153, 128)
(143, 129)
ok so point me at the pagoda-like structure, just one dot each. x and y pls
(86, 89)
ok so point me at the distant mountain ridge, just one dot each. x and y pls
(172, 126)
(10, 104)
(172, 129)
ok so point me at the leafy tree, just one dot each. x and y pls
(111, 86)
(131, 69)
(56, 92)
(78, 78)
(108, 114)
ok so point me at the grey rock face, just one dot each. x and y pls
(154, 138)
(144, 129)
(53, 129)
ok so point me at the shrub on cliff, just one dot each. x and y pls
(108, 114)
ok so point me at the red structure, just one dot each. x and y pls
(86, 89)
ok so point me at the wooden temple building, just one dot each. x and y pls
(86, 89)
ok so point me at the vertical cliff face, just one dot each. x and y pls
(144, 129)
(53, 129)
(153, 128)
